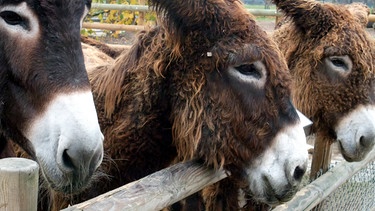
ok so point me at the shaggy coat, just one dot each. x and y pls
(318, 40)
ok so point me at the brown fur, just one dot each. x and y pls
(342, 32)
(166, 100)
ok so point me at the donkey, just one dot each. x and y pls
(332, 59)
(47, 106)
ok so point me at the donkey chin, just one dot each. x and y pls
(275, 176)
(67, 183)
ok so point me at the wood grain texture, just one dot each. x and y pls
(18, 184)
(157, 190)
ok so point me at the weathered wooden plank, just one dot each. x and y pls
(312, 194)
(321, 157)
(113, 27)
(18, 184)
(155, 191)
(145, 8)
(141, 8)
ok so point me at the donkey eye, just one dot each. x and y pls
(249, 70)
(12, 18)
(338, 63)
(251, 73)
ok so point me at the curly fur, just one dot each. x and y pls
(304, 46)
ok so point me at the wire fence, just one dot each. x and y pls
(358, 193)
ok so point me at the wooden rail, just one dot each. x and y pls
(145, 8)
(156, 191)
(18, 184)
(113, 27)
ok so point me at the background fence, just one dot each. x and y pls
(144, 8)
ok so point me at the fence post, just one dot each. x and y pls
(141, 14)
(18, 184)
(321, 156)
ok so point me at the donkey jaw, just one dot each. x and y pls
(276, 175)
(356, 133)
(67, 141)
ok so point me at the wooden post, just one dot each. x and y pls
(321, 156)
(141, 14)
(18, 184)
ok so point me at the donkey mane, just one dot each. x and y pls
(112, 82)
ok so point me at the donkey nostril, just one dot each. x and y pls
(299, 172)
(67, 160)
(366, 141)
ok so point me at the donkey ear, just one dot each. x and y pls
(359, 11)
(311, 17)
(210, 19)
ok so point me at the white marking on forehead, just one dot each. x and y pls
(27, 14)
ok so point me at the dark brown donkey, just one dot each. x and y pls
(46, 105)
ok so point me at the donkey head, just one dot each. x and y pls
(234, 102)
(332, 58)
(46, 103)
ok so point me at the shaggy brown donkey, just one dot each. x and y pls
(47, 107)
(331, 57)
(206, 84)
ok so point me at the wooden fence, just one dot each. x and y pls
(175, 183)
(156, 191)
(145, 8)
(18, 184)
(314, 193)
